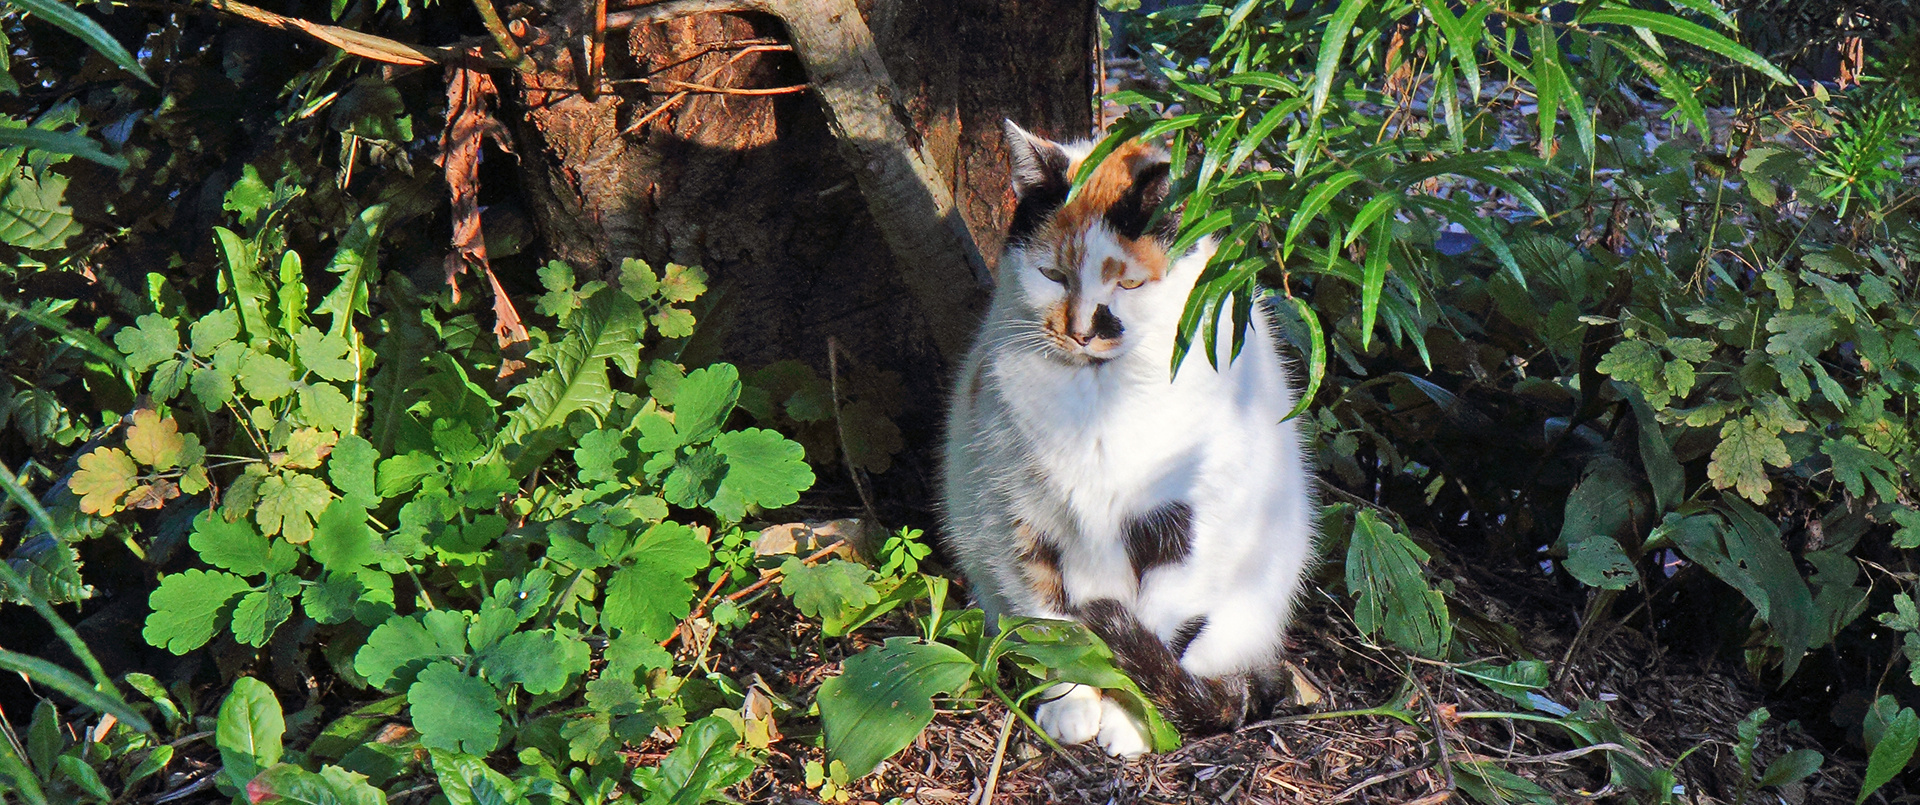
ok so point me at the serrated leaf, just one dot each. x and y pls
(1392, 595)
(330, 600)
(234, 546)
(186, 608)
(763, 470)
(105, 476)
(249, 730)
(828, 590)
(703, 401)
(325, 355)
(883, 698)
(152, 338)
(682, 283)
(575, 379)
(397, 649)
(1857, 466)
(694, 479)
(649, 596)
(454, 711)
(1747, 447)
(324, 405)
(351, 469)
(342, 538)
(34, 213)
(540, 661)
(597, 453)
(265, 377)
(258, 614)
(154, 441)
(289, 504)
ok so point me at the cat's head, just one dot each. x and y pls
(1093, 272)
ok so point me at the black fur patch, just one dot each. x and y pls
(1163, 536)
(1192, 704)
(1040, 200)
(1105, 324)
(1183, 636)
(1132, 215)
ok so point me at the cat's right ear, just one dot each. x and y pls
(1039, 164)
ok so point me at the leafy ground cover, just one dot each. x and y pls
(1610, 336)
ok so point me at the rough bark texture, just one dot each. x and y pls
(753, 188)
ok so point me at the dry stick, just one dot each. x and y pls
(908, 197)
(367, 46)
(999, 755)
(501, 38)
(682, 95)
(767, 577)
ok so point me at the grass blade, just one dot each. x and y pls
(69, 19)
(1690, 33)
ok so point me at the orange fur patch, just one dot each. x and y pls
(1105, 188)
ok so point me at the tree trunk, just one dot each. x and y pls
(753, 188)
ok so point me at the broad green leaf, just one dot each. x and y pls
(1891, 752)
(351, 469)
(763, 469)
(326, 355)
(342, 538)
(400, 647)
(454, 711)
(467, 780)
(541, 661)
(34, 213)
(249, 730)
(649, 596)
(1792, 767)
(703, 400)
(574, 381)
(700, 767)
(331, 786)
(186, 608)
(1747, 447)
(1857, 466)
(883, 698)
(354, 263)
(1385, 576)
(235, 546)
(258, 614)
(266, 378)
(1605, 507)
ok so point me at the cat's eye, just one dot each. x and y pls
(1054, 274)
(1131, 283)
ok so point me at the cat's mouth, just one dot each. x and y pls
(1092, 353)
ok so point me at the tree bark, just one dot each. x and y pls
(755, 189)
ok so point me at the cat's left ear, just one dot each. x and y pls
(1039, 164)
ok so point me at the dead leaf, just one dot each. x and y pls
(154, 495)
(469, 124)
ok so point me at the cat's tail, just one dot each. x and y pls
(1193, 704)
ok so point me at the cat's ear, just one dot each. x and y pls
(1038, 163)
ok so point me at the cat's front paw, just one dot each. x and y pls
(1071, 713)
(1122, 733)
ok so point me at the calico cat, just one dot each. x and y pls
(1172, 516)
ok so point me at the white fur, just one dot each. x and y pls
(1077, 448)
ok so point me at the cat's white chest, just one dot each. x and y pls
(1114, 440)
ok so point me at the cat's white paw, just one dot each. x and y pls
(1121, 733)
(1071, 713)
